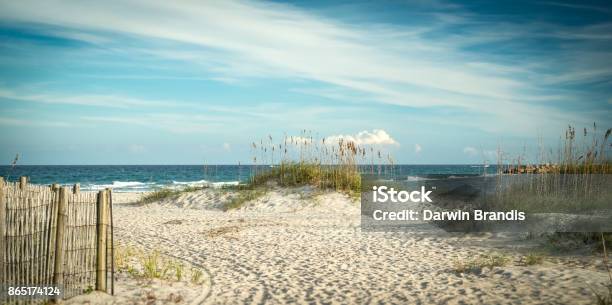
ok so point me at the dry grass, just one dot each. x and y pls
(158, 195)
(167, 193)
(585, 153)
(576, 180)
(476, 265)
(320, 162)
(341, 178)
(196, 276)
(243, 197)
(532, 259)
(148, 265)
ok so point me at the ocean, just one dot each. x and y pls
(141, 178)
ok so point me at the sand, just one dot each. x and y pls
(302, 246)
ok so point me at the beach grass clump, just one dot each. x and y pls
(586, 154)
(155, 267)
(167, 193)
(574, 180)
(570, 185)
(326, 163)
(476, 265)
(292, 174)
(532, 259)
(243, 197)
(149, 265)
(158, 195)
(196, 276)
(88, 290)
(122, 255)
(178, 271)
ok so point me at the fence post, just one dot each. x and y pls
(76, 188)
(112, 239)
(58, 267)
(2, 232)
(23, 182)
(54, 187)
(101, 242)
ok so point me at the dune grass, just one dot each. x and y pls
(532, 259)
(585, 153)
(476, 265)
(150, 265)
(167, 193)
(345, 178)
(196, 276)
(576, 180)
(326, 163)
(243, 196)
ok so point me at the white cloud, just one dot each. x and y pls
(26, 123)
(227, 147)
(468, 150)
(113, 101)
(417, 148)
(375, 137)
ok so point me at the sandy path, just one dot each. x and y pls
(284, 248)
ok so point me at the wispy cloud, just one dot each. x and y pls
(36, 123)
(113, 101)
(400, 65)
(579, 6)
(374, 137)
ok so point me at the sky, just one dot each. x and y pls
(194, 82)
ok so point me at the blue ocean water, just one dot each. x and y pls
(135, 178)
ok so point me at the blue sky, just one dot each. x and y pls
(192, 82)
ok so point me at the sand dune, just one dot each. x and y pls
(299, 246)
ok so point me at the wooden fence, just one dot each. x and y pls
(55, 236)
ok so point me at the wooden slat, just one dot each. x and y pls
(101, 242)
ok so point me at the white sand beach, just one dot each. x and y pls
(304, 247)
